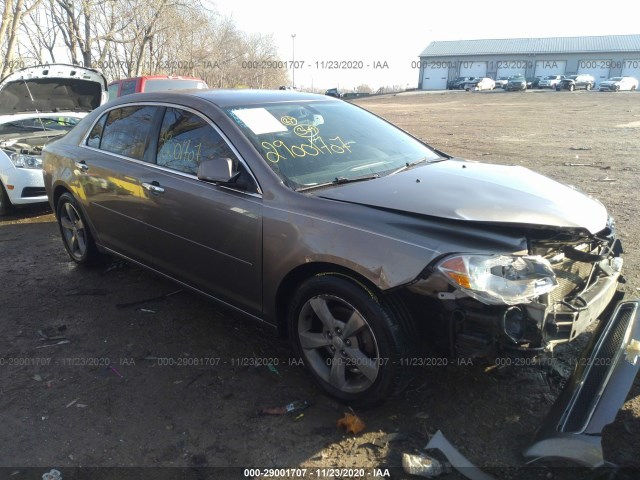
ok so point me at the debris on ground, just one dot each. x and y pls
(152, 299)
(351, 423)
(423, 465)
(113, 369)
(61, 342)
(273, 369)
(457, 460)
(579, 148)
(292, 407)
(52, 475)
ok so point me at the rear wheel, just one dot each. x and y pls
(588, 87)
(572, 88)
(350, 342)
(633, 87)
(76, 236)
(5, 203)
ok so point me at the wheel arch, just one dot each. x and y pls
(57, 193)
(301, 273)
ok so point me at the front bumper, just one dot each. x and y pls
(24, 185)
(595, 392)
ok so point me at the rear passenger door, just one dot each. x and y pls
(115, 158)
(208, 236)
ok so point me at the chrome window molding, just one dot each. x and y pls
(83, 143)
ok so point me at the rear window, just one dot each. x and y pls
(159, 84)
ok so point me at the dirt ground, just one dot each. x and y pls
(114, 367)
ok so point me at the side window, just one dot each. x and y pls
(186, 140)
(113, 90)
(128, 87)
(93, 140)
(126, 130)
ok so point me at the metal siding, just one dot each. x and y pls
(608, 43)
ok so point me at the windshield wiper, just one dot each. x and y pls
(339, 181)
(416, 162)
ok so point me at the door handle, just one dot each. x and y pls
(153, 187)
(82, 165)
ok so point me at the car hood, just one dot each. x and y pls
(478, 192)
(52, 88)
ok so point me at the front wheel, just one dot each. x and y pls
(76, 236)
(588, 87)
(571, 88)
(350, 342)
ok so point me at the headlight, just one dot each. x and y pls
(22, 160)
(499, 279)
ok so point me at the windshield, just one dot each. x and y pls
(317, 143)
(38, 124)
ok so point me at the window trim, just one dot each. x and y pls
(83, 144)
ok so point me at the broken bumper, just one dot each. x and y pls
(594, 393)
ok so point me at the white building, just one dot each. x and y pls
(603, 57)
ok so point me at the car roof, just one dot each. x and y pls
(226, 98)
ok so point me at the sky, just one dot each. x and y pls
(342, 42)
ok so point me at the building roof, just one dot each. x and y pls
(607, 43)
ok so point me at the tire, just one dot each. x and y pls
(74, 229)
(350, 342)
(572, 88)
(5, 203)
(588, 87)
(633, 88)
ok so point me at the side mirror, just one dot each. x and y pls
(217, 170)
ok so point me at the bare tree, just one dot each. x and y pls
(14, 10)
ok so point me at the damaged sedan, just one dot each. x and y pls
(360, 243)
(37, 105)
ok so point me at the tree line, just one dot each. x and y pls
(127, 38)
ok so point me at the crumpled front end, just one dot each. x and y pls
(528, 302)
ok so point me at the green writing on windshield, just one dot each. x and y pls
(279, 150)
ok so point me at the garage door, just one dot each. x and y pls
(598, 68)
(506, 69)
(631, 68)
(435, 78)
(473, 69)
(550, 67)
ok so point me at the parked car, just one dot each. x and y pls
(460, 82)
(616, 84)
(354, 239)
(480, 84)
(516, 82)
(39, 104)
(153, 83)
(575, 82)
(502, 82)
(533, 82)
(333, 92)
(550, 81)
